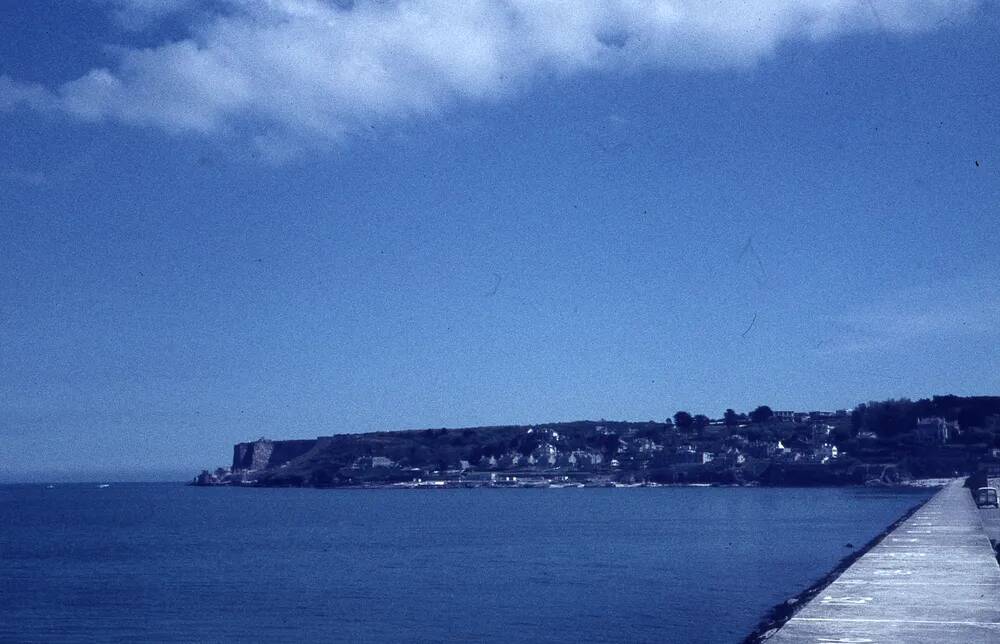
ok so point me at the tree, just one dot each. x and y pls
(858, 417)
(762, 414)
(683, 420)
(731, 418)
(700, 421)
(890, 417)
(609, 443)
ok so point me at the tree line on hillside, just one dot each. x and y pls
(761, 414)
(978, 416)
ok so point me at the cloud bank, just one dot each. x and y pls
(317, 69)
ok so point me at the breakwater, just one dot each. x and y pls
(932, 579)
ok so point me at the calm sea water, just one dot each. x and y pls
(161, 562)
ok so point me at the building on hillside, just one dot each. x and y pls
(510, 459)
(685, 454)
(936, 430)
(733, 457)
(820, 431)
(583, 458)
(826, 453)
(762, 449)
(784, 416)
(371, 462)
(713, 432)
(646, 445)
(545, 454)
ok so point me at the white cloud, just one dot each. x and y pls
(13, 93)
(140, 14)
(314, 69)
(950, 311)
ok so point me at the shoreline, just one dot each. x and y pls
(915, 484)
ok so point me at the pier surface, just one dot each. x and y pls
(934, 579)
(991, 516)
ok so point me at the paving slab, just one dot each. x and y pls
(887, 632)
(932, 579)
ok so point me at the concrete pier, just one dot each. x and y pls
(991, 516)
(934, 580)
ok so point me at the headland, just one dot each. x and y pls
(876, 443)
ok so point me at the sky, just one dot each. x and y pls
(228, 219)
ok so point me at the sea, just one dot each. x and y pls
(173, 563)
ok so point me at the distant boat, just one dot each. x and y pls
(50, 487)
(104, 485)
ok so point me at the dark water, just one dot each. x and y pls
(173, 563)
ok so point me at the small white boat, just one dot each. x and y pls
(103, 485)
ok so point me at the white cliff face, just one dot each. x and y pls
(252, 456)
(262, 451)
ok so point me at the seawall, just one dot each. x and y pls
(932, 579)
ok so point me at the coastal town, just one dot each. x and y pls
(876, 443)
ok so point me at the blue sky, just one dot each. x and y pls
(295, 218)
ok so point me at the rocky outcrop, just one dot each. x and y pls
(263, 454)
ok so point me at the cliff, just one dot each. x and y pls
(263, 454)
